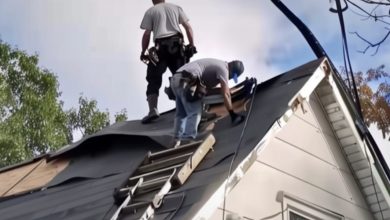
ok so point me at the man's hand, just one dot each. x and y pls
(190, 50)
(143, 57)
(236, 118)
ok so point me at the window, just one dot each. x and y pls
(295, 216)
(296, 208)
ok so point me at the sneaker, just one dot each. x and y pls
(177, 144)
(174, 143)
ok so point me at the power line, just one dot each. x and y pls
(346, 54)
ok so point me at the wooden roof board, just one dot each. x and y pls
(9, 179)
(42, 174)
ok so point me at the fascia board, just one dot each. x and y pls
(383, 184)
(348, 116)
(307, 89)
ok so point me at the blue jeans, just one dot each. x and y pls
(188, 114)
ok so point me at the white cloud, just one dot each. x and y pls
(93, 45)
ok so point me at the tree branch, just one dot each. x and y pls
(376, 2)
(375, 17)
(375, 45)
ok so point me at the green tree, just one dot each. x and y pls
(88, 119)
(121, 116)
(32, 118)
(374, 94)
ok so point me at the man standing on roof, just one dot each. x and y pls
(163, 19)
(209, 72)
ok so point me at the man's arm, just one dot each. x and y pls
(234, 117)
(145, 41)
(225, 91)
(189, 32)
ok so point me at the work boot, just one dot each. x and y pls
(153, 112)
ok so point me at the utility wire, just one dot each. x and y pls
(346, 54)
(345, 45)
(238, 146)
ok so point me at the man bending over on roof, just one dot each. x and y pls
(208, 72)
(163, 19)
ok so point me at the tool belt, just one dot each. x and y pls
(172, 44)
(194, 88)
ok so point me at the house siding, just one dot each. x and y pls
(303, 159)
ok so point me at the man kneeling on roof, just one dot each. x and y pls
(190, 83)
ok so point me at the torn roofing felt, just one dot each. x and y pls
(84, 190)
(161, 132)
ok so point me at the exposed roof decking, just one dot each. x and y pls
(31, 176)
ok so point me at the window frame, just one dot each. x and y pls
(306, 209)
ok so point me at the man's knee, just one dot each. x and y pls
(154, 84)
(152, 91)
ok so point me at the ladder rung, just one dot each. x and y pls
(167, 169)
(133, 207)
(169, 152)
(130, 193)
(126, 189)
(156, 175)
(153, 181)
(163, 163)
(146, 186)
(152, 185)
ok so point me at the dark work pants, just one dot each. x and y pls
(170, 54)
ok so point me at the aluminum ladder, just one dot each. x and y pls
(157, 175)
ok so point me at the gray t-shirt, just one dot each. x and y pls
(210, 70)
(164, 20)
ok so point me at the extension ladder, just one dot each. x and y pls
(159, 173)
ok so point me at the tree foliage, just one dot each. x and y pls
(32, 117)
(121, 116)
(88, 119)
(374, 94)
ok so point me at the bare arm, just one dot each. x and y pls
(225, 91)
(145, 40)
(189, 32)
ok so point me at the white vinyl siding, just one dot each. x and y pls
(304, 159)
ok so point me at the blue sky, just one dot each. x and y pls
(93, 46)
